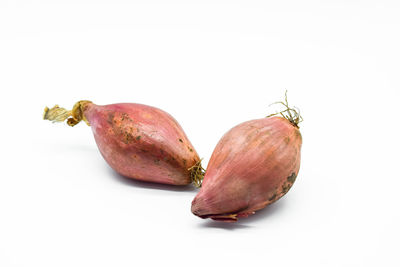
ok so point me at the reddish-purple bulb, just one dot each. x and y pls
(137, 141)
(253, 165)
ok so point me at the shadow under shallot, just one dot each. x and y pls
(261, 215)
(224, 225)
(92, 152)
(150, 185)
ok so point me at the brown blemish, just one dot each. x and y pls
(180, 140)
(157, 161)
(285, 188)
(273, 197)
(288, 183)
(287, 139)
(110, 118)
(125, 116)
(292, 178)
(170, 160)
(121, 127)
(138, 137)
(128, 137)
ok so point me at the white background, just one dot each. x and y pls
(212, 65)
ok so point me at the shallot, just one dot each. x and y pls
(253, 165)
(137, 141)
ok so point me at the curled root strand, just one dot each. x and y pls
(292, 114)
(197, 174)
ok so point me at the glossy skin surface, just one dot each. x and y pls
(142, 142)
(252, 166)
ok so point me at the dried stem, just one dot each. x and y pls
(73, 117)
(291, 114)
(197, 173)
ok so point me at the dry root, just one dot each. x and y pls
(291, 114)
(197, 174)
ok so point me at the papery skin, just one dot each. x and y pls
(142, 142)
(253, 165)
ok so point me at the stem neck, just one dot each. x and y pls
(73, 117)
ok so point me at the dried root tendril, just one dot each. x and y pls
(197, 173)
(73, 117)
(291, 114)
(56, 114)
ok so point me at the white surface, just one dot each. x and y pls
(212, 65)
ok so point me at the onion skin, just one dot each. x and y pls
(253, 165)
(141, 142)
